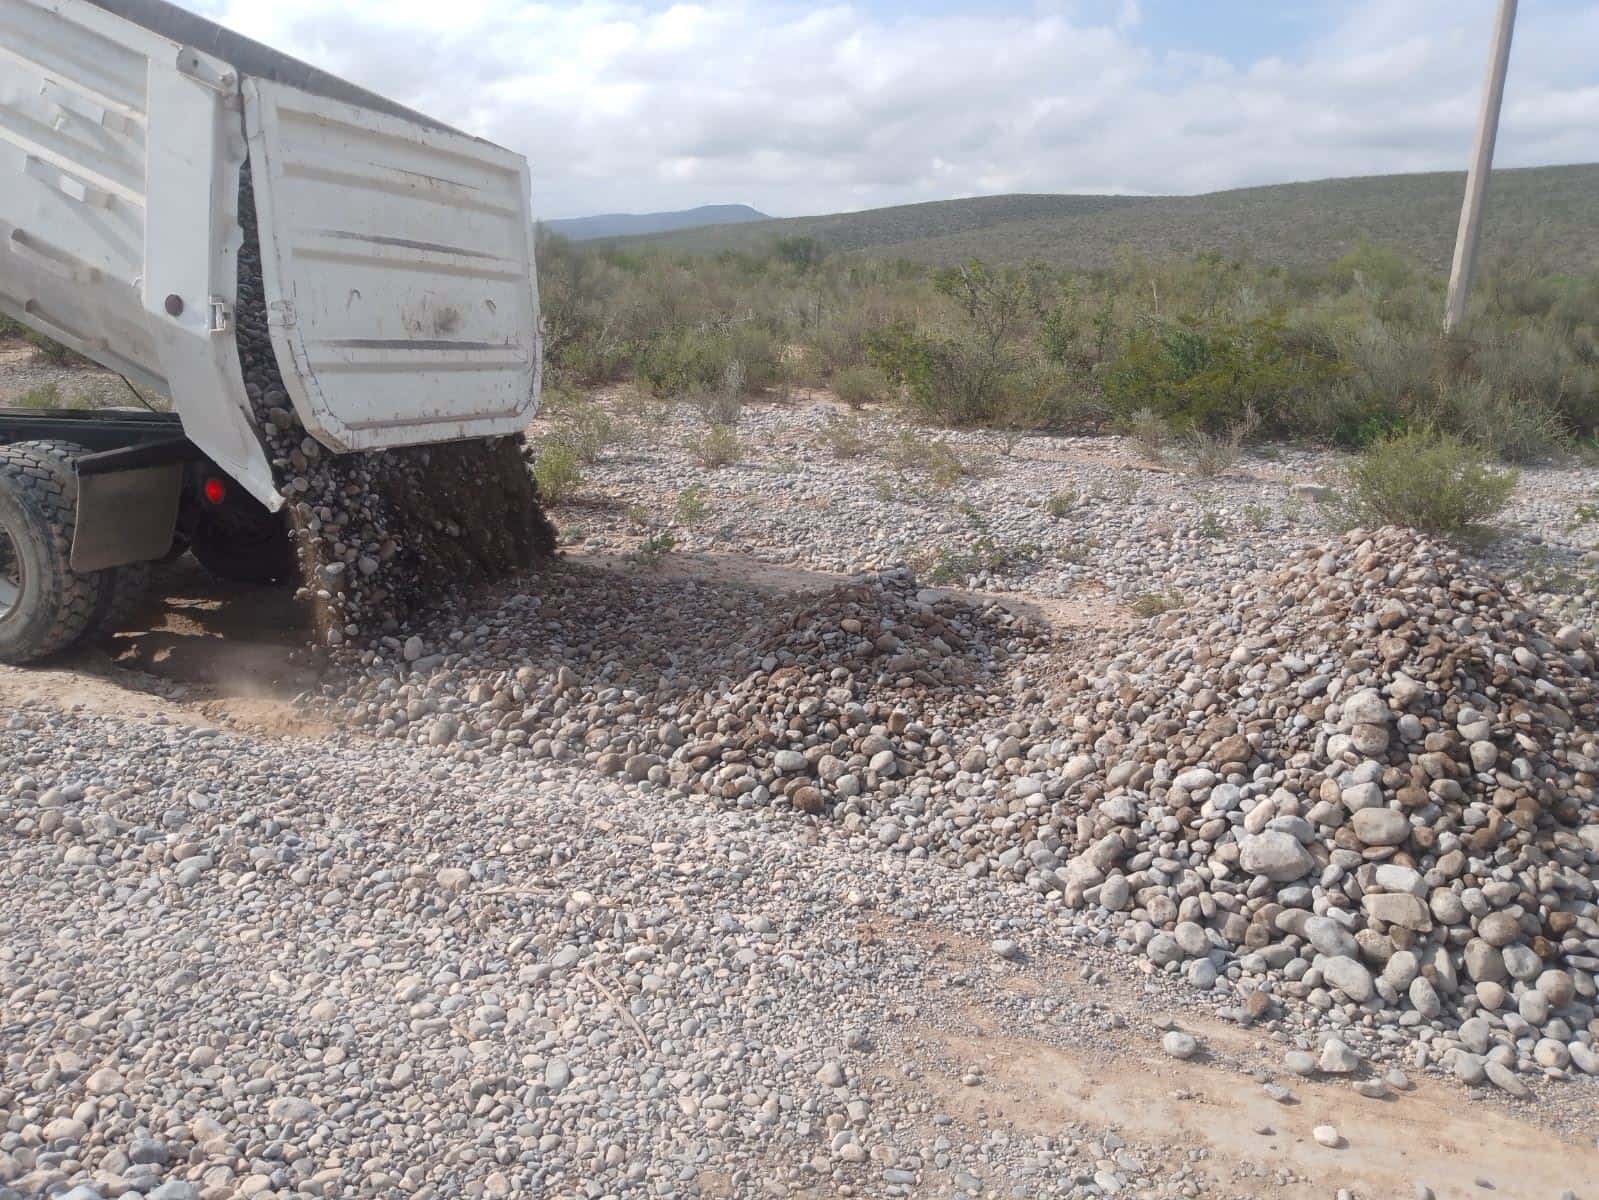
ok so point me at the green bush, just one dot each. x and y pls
(1149, 432)
(1436, 482)
(1211, 377)
(557, 471)
(580, 425)
(1515, 430)
(859, 386)
(46, 395)
(1343, 351)
(717, 447)
(695, 362)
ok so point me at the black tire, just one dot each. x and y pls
(123, 592)
(249, 552)
(53, 605)
(121, 589)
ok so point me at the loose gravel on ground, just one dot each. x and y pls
(631, 878)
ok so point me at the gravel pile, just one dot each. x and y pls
(1361, 784)
(382, 534)
(824, 703)
(1365, 781)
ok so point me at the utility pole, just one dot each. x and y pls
(1482, 157)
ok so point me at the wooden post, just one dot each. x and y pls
(1482, 158)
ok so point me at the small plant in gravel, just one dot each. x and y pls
(691, 507)
(1077, 550)
(844, 436)
(1258, 515)
(45, 396)
(718, 447)
(557, 472)
(724, 405)
(904, 452)
(638, 517)
(944, 465)
(1548, 573)
(648, 415)
(1431, 481)
(1150, 433)
(1060, 503)
(53, 352)
(911, 450)
(580, 425)
(653, 550)
(1211, 526)
(1212, 454)
(1152, 604)
(952, 566)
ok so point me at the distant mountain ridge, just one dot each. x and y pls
(605, 225)
(1555, 209)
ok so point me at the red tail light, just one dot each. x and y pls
(214, 490)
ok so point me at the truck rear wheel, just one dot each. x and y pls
(122, 590)
(45, 605)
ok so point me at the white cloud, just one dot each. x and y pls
(795, 109)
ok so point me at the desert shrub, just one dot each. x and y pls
(1152, 604)
(1060, 503)
(1210, 377)
(45, 396)
(1344, 351)
(1212, 454)
(652, 550)
(683, 362)
(580, 425)
(557, 471)
(974, 371)
(691, 508)
(717, 446)
(1515, 430)
(944, 465)
(858, 386)
(1436, 482)
(1379, 270)
(696, 363)
(1149, 432)
(1539, 365)
(844, 436)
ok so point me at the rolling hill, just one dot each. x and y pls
(1558, 207)
(609, 225)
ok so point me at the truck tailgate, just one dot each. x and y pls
(398, 272)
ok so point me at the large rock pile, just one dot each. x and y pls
(381, 534)
(1366, 781)
(1362, 784)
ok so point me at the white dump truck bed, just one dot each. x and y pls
(397, 253)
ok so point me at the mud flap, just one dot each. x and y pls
(125, 516)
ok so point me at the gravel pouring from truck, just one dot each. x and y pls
(387, 257)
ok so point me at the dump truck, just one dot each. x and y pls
(286, 269)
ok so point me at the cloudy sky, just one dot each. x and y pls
(807, 108)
